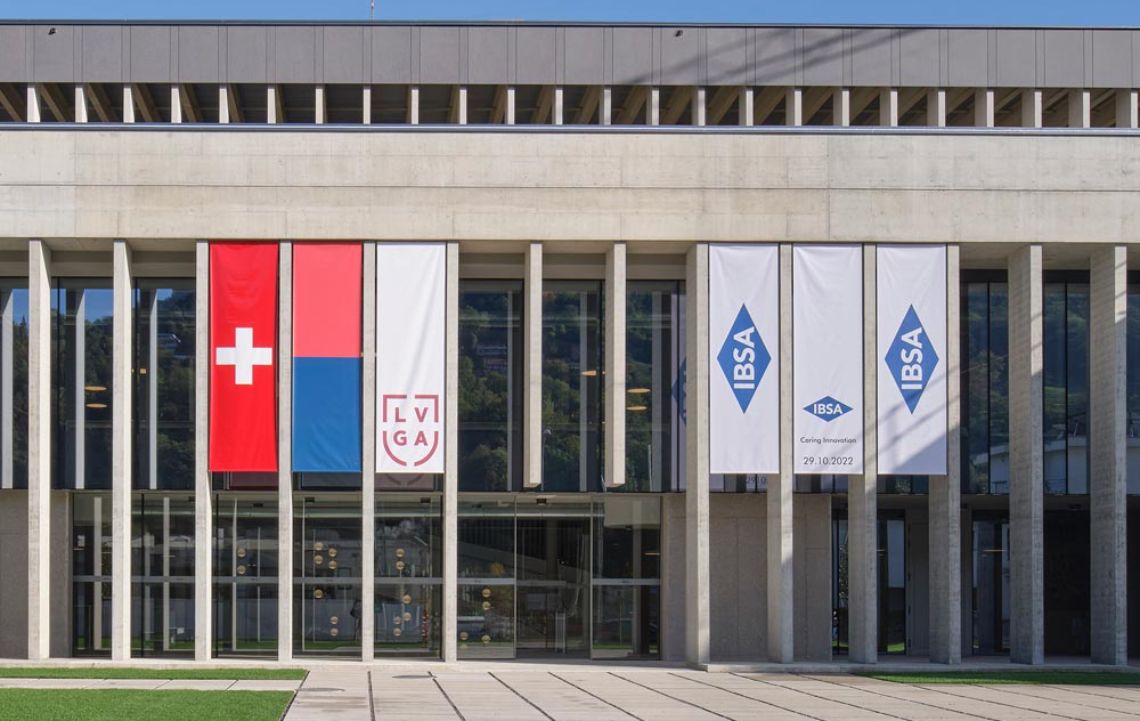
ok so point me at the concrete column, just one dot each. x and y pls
(862, 495)
(1108, 476)
(532, 367)
(1126, 111)
(320, 109)
(615, 366)
(1031, 108)
(606, 111)
(841, 108)
(451, 464)
(1026, 535)
(936, 108)
(203, 494)
(889, 107)
(80, 103)
(128, 104)
(700, 106)
(272, 103)
(794, 107)
(368, 459)
(33, 103)
(779, 498)
(414, 105)
(1080, 109)
(366, 105)
(224, 104)
(175, 104)
(39, 449)
(285, 455)
(697, 457)
(747, 114)
(558, 105)
(510, 105)
(121, 457)
(462, 101)
(984, 108)
(944, 499)
(653, 111)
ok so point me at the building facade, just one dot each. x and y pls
(581, 186)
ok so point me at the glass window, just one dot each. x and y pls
(163, 398)
(985, 383)
(91, 574)
(245, 575)
(490, 385)
(486, 588)
(1066, 382)
(81, 384)
(655, 352)
(327, 574)
(1133, 403)
(627, 577)
(162, 571)
(572, 360)
(990, 602)
(408, 576)
(13, 387)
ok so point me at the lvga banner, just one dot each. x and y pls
(744, 332)
(411, 307)
(827, 352)
(911, 299)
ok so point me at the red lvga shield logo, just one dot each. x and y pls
(411, 427)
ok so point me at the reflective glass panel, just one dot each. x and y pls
(486, 566)
(1066, 383)
(162, 569)
(91, 574)
(14, 387)
(327, 574)
(245, 575)
(408, 576)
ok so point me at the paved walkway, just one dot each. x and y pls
(569, 694)
(149, 685)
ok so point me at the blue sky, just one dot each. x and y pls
(972, 12)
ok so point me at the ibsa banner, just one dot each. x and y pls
(911, 300)
(827, 351)
(411, 307)
(744, 331)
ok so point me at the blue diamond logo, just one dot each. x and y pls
(911, 359)
(743, 358)
(827, 408)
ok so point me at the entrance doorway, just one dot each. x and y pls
(892, 612)
(553, 584)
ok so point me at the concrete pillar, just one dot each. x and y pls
(697, 457)
(175, 104)
(984, 108)
(558, 105)
(606, 111)
(203, 495)
(936, 108)
(320, 109)
(1126, 111)
(510, 105)
(1032, 111)
(128, 104)
(700, 106)
(841, 108)
(285, 455)
(532, 367)
(366, 105)
(1080, 109)
(1026, 535)
(451, 464)
(889, 107)
(944, 499)
(368, 459)
(747, 101)
(224, 104)
(461, 110)
(780, 523)
(33, 103)
(1108, 477)
(80, 103)
(121, 457)
(794, 107)
(414, 105)
(615, 366)
(39, 449)
(862, 495)
(653, 111)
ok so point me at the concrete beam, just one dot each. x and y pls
(51, 96)
(203, 489)
(451, 464)
(984, 108)
(544, 106)
(558, 115)
(700, 99)
(766, 103)
(1080, 108)
(145, 103)
(697, 458)
(1108, 453)
(679, 101)
(191, 111)
(80, 104)
(841, 107)
(1032, 108)
(366, 105)
(862, 495)
(224, 104)
(320, 106)
(721, 102)
(510, 119)
(414, 105)
(499, 105)
(122, 432)
(175, 104)
(889, 108)
(233, 103)
(794, 107)
(1026, 501)
(274, 113)
(779, 499)
(632, 106)
(615, 329)
(39, 451)
(532, 366)
(747, 107)
(653, 112)
(936, 108)
(606, 109)
(285, 454)
(1126, 109)
(368, 458)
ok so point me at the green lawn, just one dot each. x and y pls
(1069, 678)
(173, 674)
(121, 705)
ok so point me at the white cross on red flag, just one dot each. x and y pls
(243, 368)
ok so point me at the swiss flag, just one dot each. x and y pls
(243, 357)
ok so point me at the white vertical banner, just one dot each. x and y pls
(744, 359)
(911, 300)
(827, 352)
(411, 309)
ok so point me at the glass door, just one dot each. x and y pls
(892, 583)
(990, 598)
